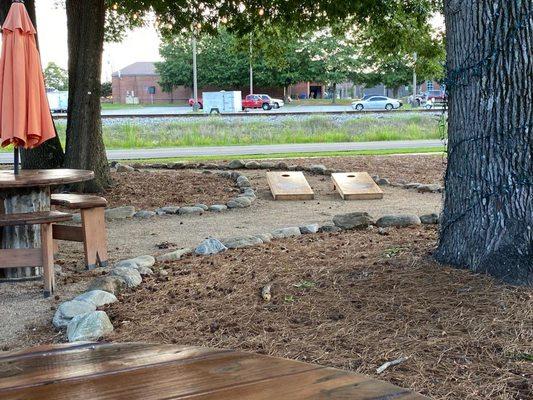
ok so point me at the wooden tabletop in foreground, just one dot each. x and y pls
(43, 177)
(145, 371)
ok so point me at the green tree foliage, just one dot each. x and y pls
(56, 77)
(107, 89)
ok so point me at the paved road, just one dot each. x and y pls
(132, 154)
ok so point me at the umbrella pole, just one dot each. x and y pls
(16, 161)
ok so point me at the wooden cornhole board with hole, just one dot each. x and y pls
(289, 186)
(356, 186)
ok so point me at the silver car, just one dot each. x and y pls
(377, 103)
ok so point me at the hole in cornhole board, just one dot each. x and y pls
(289, 186)
(356, 186)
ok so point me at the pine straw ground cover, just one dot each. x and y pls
(149, 189)
(352, 300)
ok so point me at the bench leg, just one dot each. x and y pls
(47, 249)
(95, 236)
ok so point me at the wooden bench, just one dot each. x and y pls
(44, 256)
(92, 231)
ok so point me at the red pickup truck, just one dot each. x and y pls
(256, 101)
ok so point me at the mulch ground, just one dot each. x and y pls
(353, 300)
(149, 189)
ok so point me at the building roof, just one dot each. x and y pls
(137, 69)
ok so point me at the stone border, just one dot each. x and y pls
(84, 322)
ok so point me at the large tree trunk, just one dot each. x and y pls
(487, 222)
(50, 153)
(85, 146)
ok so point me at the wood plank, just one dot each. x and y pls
(67, 232)
(76, 201)
(356, 186)
(43, 177)
(290, 185)
(33, 218)
(14, 258)
(173, 379)
(323, 384)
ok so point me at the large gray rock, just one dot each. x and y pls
(90, 326)
(307, 229)
(236, 164)
(250, 193)
(120, 212)
(383, 182)
(218, 207)
(191, 211)
(144, 214)
(174, 255)
(97, 297)
(267, 165)
(243, 182)
(169, 209)
(145, 271)
(412, 185)
(210, 246)
(239, 202)
(400, 220)
(265, 237)
(430, 219)
(131, 276)
(282, 233)
(252, 165)
(355, 220)
(318, 169)
(433, 188)
(202, 206)
(242, 241)
(145, 261)
(108, 283)
(124, 168)
(68, 310)
(329, 228)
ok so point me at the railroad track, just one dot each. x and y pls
(258, 114)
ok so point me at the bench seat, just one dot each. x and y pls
(77, 201)
(35, 218)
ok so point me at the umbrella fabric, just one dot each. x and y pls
(25, 119)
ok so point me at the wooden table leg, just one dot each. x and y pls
(22, 200)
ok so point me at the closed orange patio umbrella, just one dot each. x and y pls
(25, 119)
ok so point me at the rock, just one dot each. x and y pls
(174, 255)
(97, 297)
(126, 264)
(144, 214)
(383, 182)
(252, 165)
(412, 185)
(145, 271)
(124, 168)
(267, 165)
(329, 228)
(400, 220)
(286, 232)
(265, 237)
(202, 206)
(224, 174)
(211, 166)
(87, 327)
(318, 169)
(190, 210)
(430, 219)
(236, 164)
(108, 283)
(383, 231)
(235, 175)
(141, 261)
(250, 193)
(282, 165)
(355, 220)
(210, 246)
(242, 241)
(433, 188)
(375, 178)
(131, 276)
(169, 209)
(239, 202)
(243, 182)
(68, 310)
(218, 207)
(119, 212)
(307, 229)
(177, 165)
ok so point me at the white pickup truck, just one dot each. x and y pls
(58, 101)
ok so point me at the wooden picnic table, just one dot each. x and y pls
(148, 372)
(29, 191)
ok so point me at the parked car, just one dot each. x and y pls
(275, 103)
(256, 101)
(377, 103)
(200, 103)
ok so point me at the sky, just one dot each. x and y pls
(140, 44)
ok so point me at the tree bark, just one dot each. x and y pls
(50, 153)
(85, 145)
(487, 222)
(334, 96)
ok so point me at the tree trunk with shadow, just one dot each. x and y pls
(85, 145)
(487, 222)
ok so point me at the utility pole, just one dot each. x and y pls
(251, 68)
(414, 78)
(194, 74)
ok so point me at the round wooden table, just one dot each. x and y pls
(29, 191)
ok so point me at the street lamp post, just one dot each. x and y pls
(251, 67)
(194, 74)
(414, 78)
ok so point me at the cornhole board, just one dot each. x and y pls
(356, 186)
(289, 186)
